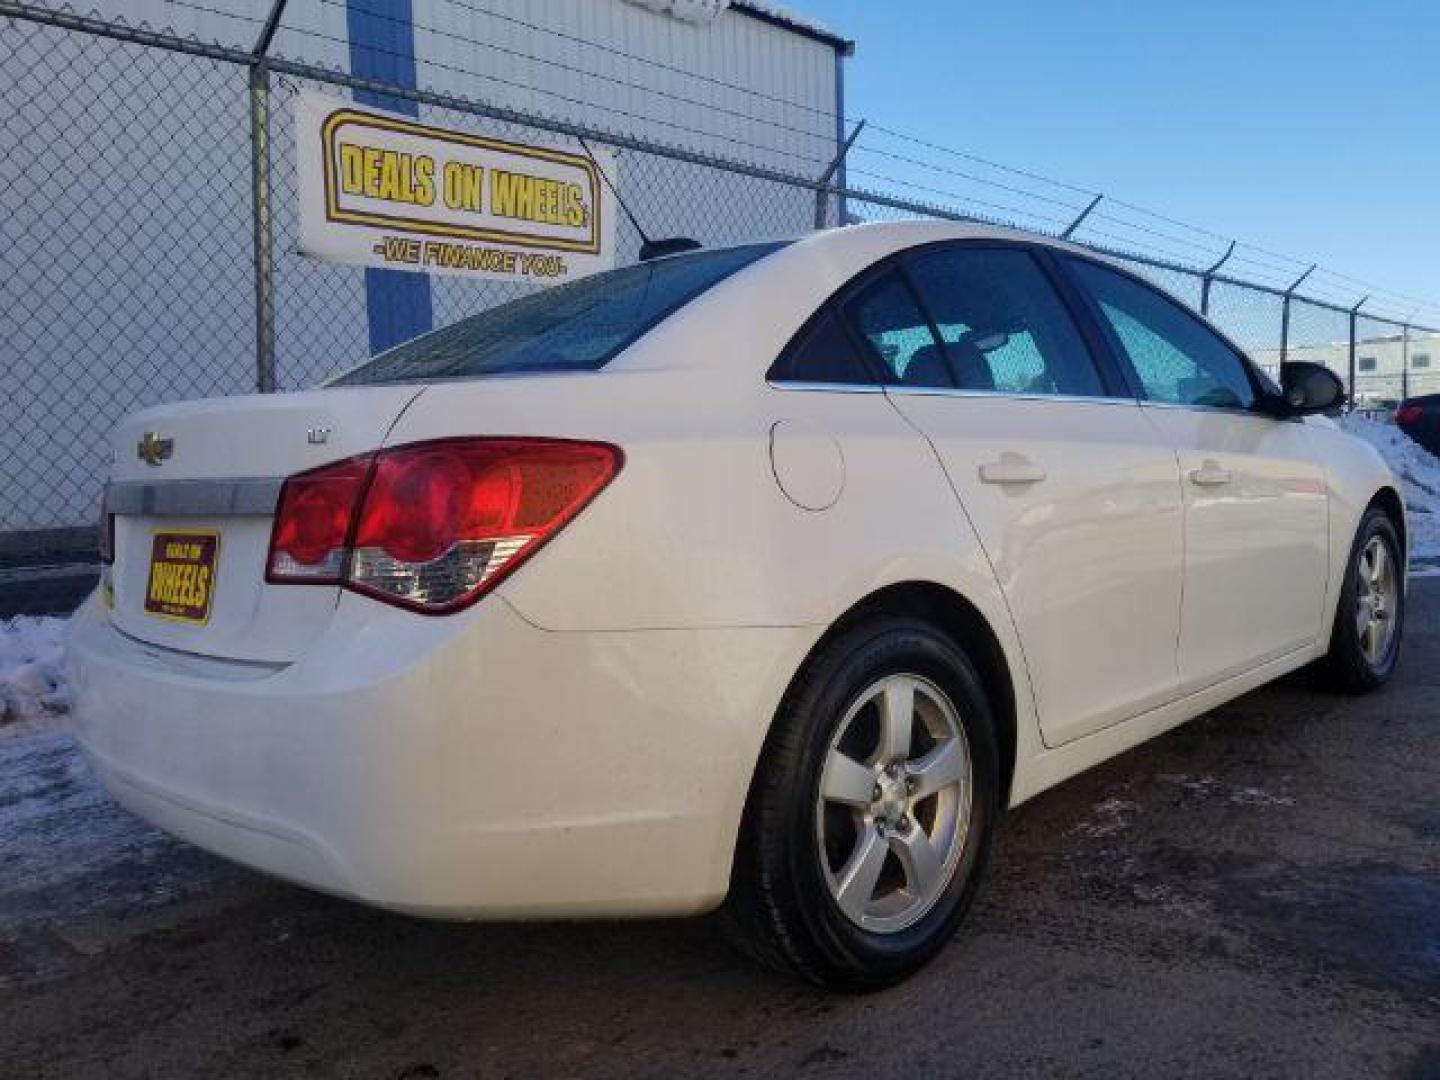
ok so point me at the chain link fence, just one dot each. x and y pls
(145, 176)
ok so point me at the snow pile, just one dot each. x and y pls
(32, 676)
(1419, 473)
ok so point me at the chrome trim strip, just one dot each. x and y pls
(946, 391)
(941, 391)
(255, 496)
(826, 387)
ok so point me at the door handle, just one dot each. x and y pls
(1210, 474)
(1012, 468)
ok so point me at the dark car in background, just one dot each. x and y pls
(1419, 417)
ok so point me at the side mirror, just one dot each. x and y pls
(1310, 388)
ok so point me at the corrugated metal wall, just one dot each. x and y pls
(572, 59)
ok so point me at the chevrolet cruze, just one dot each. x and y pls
(762, 578)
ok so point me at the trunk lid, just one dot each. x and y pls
(193, 498)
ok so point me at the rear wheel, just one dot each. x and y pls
(1370, 616)
(872, 812)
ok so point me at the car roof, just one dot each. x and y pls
(770, 298)
(913, 231)
(878, 238)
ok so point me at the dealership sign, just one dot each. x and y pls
(380, 189)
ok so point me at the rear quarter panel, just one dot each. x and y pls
(695, 531)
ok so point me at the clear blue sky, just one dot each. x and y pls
(1311, 128)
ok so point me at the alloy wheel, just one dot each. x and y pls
(893, 807)
(1377, 595)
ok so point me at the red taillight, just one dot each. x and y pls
(433, 526)
(309, 542)
(1409, 414)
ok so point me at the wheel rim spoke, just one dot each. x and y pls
(1362, 619)
(860, 873)
(941, 767)
(1377, 570)
(845, 780)
(897, 716)
(919, 859)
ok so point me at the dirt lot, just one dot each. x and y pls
(1257, 894)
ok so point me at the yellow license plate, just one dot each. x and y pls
(182, 575)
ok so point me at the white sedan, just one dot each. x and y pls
(763, 577)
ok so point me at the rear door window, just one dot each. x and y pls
(898, 333)
(823, 353)
(1004, 327)
(580, 326)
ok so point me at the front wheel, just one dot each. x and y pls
(1370, 616)
(872, 812)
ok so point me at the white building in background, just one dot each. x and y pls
(129, 241)
(1387, 368)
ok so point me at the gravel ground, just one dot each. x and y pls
(1256, 894)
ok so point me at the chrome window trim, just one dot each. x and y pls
(255, 496)
(941, 391)
(950, 391)
(826, 387)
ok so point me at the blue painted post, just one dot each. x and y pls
(382, 47)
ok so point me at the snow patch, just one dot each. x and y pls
(1106, 819)
(32, 673)
(1419, 473)
(789, 15)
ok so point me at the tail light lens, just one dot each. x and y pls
(1409, 414)
(433, 526)
(309, 542)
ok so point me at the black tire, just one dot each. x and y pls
(1346, 667)
(780, 909)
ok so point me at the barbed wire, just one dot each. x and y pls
(955, 197)
(828, 136)
(424, 62)
(1258, 259)
(1253, 258)
(862, 148)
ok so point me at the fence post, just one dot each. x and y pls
(835, 166)
(260, 215)
(841, 143)
(260, 196)
(1080, 218)
(1209, 276)
(1354, 323)
(1404, 361)
(1285, 313)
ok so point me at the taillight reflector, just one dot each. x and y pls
(433, 526)
(1409, 414)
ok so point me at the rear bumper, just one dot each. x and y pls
(467, 767)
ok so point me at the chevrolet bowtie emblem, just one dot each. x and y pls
(152, 449)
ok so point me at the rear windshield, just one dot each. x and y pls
(574, 327)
